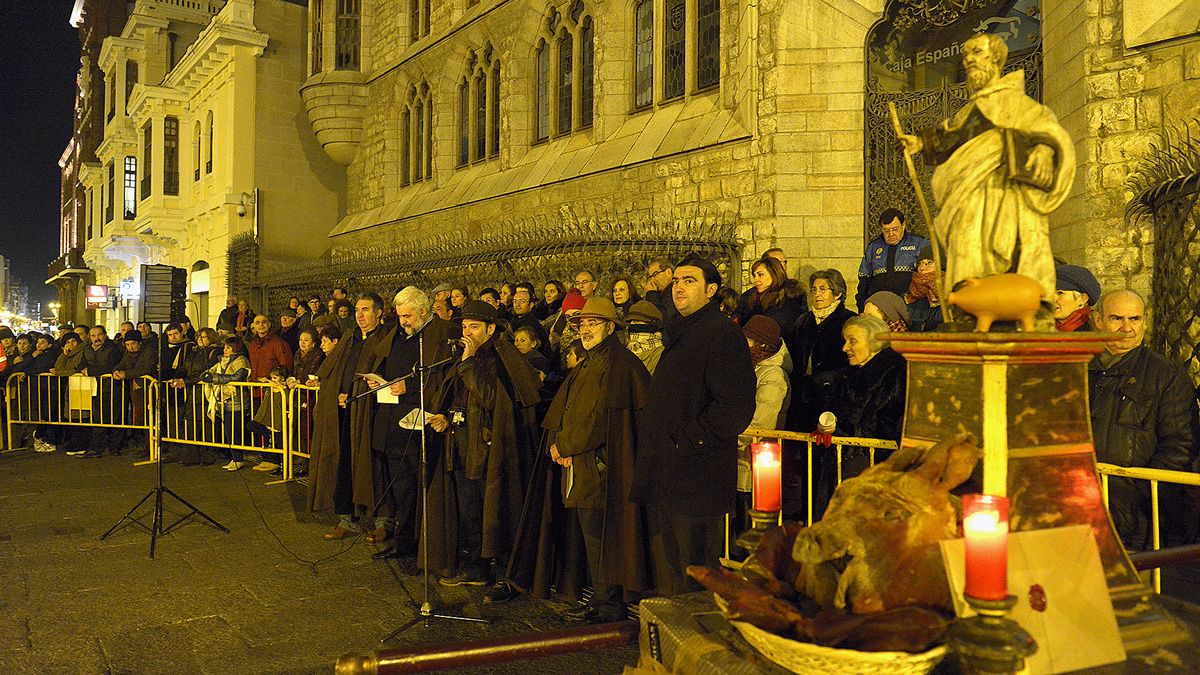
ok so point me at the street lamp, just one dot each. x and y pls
(53, 306)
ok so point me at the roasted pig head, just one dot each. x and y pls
(877, 545)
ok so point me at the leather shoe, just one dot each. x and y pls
(390, 553)
(500, 592)
(378, 536)
(338, 533)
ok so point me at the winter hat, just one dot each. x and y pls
(598, 308)
(645, 311)
(1078, 279)
(478, 310)
(891, 305)
(573, 301)
(764, 330)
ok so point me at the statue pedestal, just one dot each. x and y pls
(1024, 397)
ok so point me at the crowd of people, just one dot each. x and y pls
(590, 434)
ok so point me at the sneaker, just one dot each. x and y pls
(232, 466)
(266, 466)
(500, 592)
(42, 446)
(462, 579)
(75, 453)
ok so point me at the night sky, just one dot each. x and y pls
(39, 57)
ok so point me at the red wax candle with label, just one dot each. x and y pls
(767, 469)
(985, 529)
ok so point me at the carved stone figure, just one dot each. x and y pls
(1004, 163)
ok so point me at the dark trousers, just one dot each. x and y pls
(395, 472)
(608, 600)
(470, 523)
(343, 489)
(678, 540)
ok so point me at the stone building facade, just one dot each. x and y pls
(205, 145)
(94, 20)
(774, 142)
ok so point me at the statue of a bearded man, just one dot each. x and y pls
(1003, 165)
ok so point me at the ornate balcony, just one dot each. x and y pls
(336, 101)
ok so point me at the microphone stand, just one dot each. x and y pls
(156, 528)
(425, 611)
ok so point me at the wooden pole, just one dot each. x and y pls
(933, 238)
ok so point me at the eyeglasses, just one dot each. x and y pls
(590, 323)
(821, 289)
(654, 273)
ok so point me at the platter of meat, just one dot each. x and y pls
(863, 590)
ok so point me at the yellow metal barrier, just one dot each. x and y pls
(1155, 476)
(837, 444)
(240, 416)
(80, 400)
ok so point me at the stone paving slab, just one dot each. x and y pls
(244, 602)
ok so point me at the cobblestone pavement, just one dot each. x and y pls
(209, 602)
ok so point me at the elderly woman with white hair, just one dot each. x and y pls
(866, 399)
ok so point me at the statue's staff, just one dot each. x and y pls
(933, 239)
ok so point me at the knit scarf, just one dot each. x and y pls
(822, 314)
(1074, 321)
(923, 285)
(759, 353)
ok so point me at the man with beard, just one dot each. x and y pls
(396, 430)
(176, 355)
(593, 437)
(340, 468)
(485, 406)
(1004, 164)
(523, 316)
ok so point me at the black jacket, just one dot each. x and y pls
(1143, 414)
(822, 344)
(701, 398)
(869, 400)
(102, 361)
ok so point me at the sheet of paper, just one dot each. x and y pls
(386, 396)
(1062, 597)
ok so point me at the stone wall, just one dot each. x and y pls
(1114, 101)
(779, 144)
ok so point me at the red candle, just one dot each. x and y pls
(985, 528)
(766, 466)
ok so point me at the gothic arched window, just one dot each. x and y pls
(565, 78)
(643, 54)
(542, 127)
(587, 58)
(416, 136)
(708, 43)
(479, 108)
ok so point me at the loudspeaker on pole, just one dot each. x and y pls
(164, 294)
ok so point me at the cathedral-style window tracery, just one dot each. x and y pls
(479, 108)
(416, 136)
(565, 73)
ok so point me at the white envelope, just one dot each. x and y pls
(1077, 628)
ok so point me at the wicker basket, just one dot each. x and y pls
(804, 657)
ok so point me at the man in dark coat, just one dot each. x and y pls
(340, 475)
(1143, 413)
(593, 436)
(483, 405)
(139, 360)
(396, 429)
(523, 316)
(289, 331)
(701, 398)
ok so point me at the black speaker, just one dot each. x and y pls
(164, 294)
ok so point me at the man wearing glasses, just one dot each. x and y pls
(595, 444)
(585, 281)
(658, 288)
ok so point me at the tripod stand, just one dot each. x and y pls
(156, 527)
(425, 610)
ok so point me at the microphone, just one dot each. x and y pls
(454, 344)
